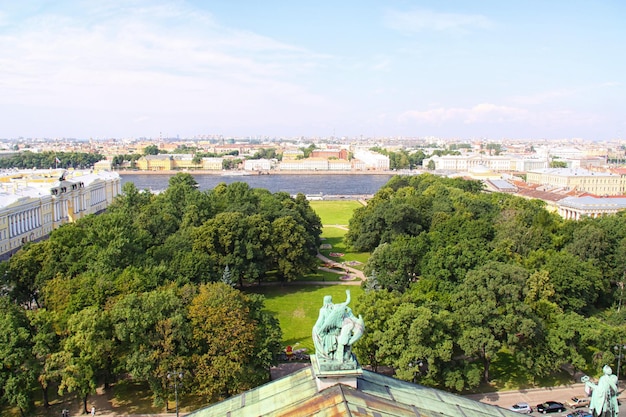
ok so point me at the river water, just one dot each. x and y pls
(332, 184)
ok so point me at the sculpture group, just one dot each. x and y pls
(603, 394)
(335, 332)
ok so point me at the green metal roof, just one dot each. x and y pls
(376, 395)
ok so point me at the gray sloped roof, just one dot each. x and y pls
(588, 202)
(376, 395)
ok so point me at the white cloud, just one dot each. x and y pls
(142, 62)
(60, 50)
(426, 20)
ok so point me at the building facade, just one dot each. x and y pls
(169, 162)
(257, 165)
(580, 180)
(575, 208)
(372, 160)
(33, 203)
(496, 163)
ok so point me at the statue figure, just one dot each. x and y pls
(603, 394)
(335, 332)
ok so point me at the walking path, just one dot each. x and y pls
(351, 271)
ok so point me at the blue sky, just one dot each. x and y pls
(531, 69)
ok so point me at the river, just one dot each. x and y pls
(332, 184)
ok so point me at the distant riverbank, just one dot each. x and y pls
(248, 173)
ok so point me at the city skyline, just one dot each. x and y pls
(534, 69)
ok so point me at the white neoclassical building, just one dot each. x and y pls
(372, 160)
(35, 202)
(496, 163)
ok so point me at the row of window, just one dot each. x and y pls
(31, 219)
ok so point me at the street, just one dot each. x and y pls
(505, 399)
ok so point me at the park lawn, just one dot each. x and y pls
(335, 236)
(335, 212)
(297, 308)
(318, 275)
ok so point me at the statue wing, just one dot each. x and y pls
(334, 318)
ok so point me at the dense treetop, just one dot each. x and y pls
(475, 277)
(140, 290)
(46, 160)
(460, 280)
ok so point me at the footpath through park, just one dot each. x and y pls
(356, 275)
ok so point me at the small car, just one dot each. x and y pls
(523, 408)
(580, 413)
(550, 407)
(576, 402)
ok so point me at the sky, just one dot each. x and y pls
(481, 69)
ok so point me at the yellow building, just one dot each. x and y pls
(33, 203)
(161, 162)
(213, 164)
(168, 162)
(582, 180)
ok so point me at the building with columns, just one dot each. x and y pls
(35, 202)
(574, 208)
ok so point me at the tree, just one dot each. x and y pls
(237, 196)
(225, 339)
(86, 353)
(17, 365)
(43, 160)
(289, 249)
(558, 164)
(131, 201)
(382, 222)
(20, 275)
(45, 342)
(398, 263)
(489, 307)
(151, 150)
(236, 240)
(227, 278)
(153, 333)
(577, 283)
(522, 226)
(567, 339)
(376, 307)
(308, 150)
(420, 342)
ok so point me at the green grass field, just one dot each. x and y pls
(335, 216)
(297, 308)
(335, 212)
